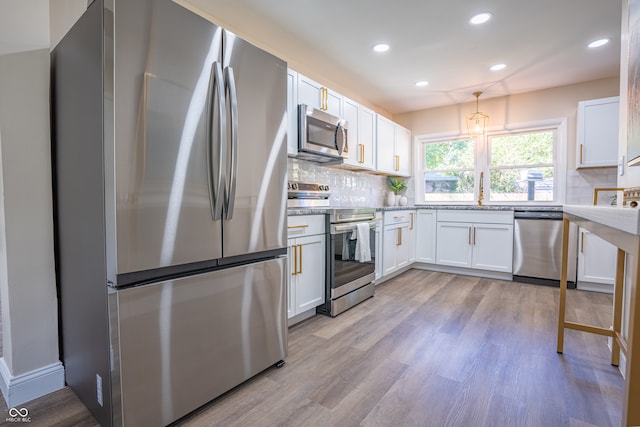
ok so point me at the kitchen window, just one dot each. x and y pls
(449, 171)
(522, 165)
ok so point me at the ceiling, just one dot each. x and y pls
(543, 43)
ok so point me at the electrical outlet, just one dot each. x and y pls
(99, 389)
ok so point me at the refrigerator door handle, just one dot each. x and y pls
(230, 86)
(216, 177)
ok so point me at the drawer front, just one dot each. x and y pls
(476, 216)
(397, 217)
(305, 225)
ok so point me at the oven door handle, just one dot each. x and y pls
(340, 229)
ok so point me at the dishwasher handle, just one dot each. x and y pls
(553, 215)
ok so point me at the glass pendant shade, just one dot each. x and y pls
(477, 122)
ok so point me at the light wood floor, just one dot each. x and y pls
(430, 349)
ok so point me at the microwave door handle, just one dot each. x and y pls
(216, 177)
(340, 128)
(230, 196)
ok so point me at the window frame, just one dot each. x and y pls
(483, 161)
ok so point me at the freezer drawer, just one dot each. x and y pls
(537, 249)
(185, 342)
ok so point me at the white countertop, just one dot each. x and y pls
(625, 219)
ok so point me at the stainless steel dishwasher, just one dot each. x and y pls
(537, 248)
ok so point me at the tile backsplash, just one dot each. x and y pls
(580, 185)
(348, 188)
(358, 189)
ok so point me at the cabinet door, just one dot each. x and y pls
(350, 114)
(311, 274)
(385, 145)
(379, 251)
(309, 92)
(332, 102)
(404, 243)
(493, 247)
(292, 112)
(366, 137)
(411, 236)
(454, 244)
(596, 260)
(597, 135)
(291, 277)
(402, 150)
(426, 236)
(390, 242)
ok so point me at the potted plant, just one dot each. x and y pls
(397, 186)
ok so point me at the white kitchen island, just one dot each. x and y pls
(620, 227)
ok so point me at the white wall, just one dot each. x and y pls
(529, 107)
(27, 277)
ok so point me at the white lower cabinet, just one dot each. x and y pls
(596, 262)
(306, 254)
(378, 248)
(484, 243)
(426, 236)
(398, 240)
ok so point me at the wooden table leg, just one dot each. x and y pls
(631, 408)
(618, 292)
(563, 283)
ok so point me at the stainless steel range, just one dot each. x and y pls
(351, 244)
(350, 259)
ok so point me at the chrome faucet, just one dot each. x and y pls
(481, 192)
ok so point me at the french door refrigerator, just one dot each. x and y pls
(169, 159)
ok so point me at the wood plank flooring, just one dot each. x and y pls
(430, 349)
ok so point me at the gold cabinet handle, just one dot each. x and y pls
(300, 259)
(411, 221)
(397, 165)
(474, 236)
(361, 146)
(397, 237)
(323, 100)
(469, 235)
(580, 153)
(582, 242)
(294, 270)
(297, 226)
(398, 217)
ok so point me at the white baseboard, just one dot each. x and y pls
(31, 385)
(463, 271)
(623, 359)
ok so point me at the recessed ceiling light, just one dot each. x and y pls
(381, 47)
(422, 83)
(498, 67)
(598, 43)
(480, 18)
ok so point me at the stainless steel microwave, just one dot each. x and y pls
(322, 137)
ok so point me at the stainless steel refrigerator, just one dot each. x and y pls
(169, 152)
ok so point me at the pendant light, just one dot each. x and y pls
(477, 122)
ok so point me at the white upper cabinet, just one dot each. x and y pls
(393, 148)
(597, 133)
(320, 97)
(362, 131)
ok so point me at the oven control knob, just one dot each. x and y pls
(294, 186)
(288, 186)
